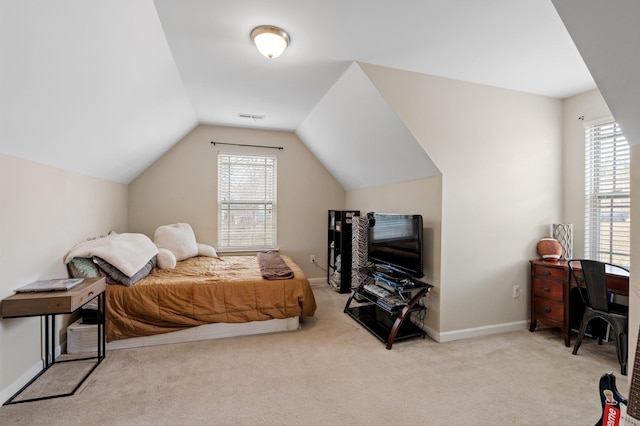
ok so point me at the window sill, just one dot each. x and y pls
(243, 252)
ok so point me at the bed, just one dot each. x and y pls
(174, 289)
(205, 290)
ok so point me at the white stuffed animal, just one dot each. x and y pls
(177, 242)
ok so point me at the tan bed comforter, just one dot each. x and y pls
(204, 290)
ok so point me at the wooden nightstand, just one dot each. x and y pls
(49, 304)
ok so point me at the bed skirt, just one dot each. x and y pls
(82, 338)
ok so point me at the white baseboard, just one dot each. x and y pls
(14, 387)
(449, 336)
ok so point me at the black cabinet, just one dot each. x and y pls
(339, 249)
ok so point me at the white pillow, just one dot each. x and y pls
(165, 259)
(206, 250)
(178, 238)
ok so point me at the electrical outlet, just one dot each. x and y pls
(516, 291)
(312, 258)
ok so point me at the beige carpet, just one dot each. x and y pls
(334, 372)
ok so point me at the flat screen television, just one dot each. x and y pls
(395, 242)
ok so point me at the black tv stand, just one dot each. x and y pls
(386, 305)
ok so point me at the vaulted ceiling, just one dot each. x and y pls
(518, 45)
(105, 88)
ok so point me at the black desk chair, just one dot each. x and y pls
(597, 305)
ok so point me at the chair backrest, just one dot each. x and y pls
(595, 281)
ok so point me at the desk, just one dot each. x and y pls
(550, 290)
(49, 304)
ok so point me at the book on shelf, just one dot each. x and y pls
(56, 284)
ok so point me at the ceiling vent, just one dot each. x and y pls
(254, 117)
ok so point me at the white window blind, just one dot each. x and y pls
(608, 208)
(246, 202)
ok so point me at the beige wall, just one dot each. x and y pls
(44, 212)
(182, 187)
(499, 152)
(421, 196)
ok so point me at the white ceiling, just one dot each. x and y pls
(89, 86)
(104, 88)
(520, 45)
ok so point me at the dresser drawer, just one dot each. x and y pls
(548, 289)
(548, 272)
(549, 309)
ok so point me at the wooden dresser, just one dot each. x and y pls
(550, 296)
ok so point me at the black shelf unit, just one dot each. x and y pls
(339, 247)
(389, 324)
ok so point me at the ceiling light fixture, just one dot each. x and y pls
(270, 41)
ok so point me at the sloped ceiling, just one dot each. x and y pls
(106, 87)
(354, 133)
(89, 87)
(607, 35)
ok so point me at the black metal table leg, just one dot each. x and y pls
(49, 358)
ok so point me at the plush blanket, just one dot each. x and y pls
(272, 267)
(202, 290)
(128, 252)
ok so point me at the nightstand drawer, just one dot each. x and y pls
(86, 294)
(549, 309)
(549, 272)
(548, 289)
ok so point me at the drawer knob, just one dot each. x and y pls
(545, 289)
(546, 309)
(546, 272)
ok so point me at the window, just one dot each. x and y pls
(246, 202)
(608, 199)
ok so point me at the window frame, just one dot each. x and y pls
(607, 193)
(265, 201)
